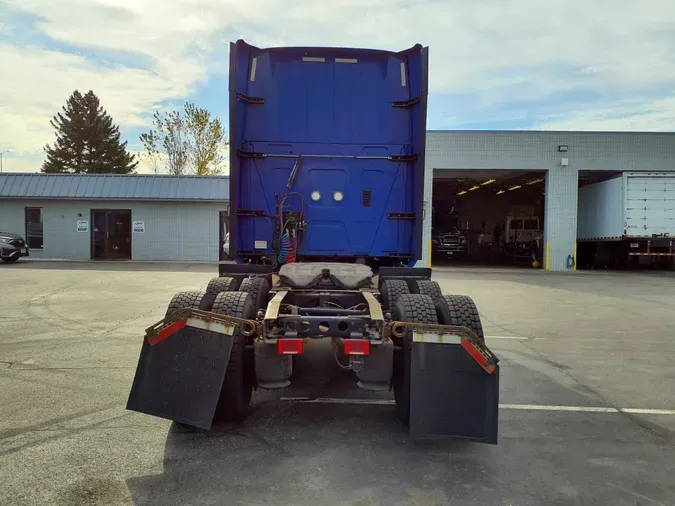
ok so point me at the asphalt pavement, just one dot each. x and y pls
(587, 393)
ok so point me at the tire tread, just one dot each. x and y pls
(459, 310)
(414, 308)
(221, 284)
(429, 287)
(258, 288)
(235, 394)
(183, 300)
(391, 290)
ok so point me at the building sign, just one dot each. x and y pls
(82, 226)
(139, 227)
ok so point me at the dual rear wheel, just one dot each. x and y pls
(427, 306)
(391, 289)
(224, 295)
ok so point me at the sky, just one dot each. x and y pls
(494, 64)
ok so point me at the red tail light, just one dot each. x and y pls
(357, 347)
(289, 346)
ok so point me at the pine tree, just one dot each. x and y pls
(87, 141)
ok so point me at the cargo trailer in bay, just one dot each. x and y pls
(627, 220)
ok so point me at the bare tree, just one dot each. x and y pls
(152, 153)
(193, 143)
(207, 140)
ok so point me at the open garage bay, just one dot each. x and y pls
(488, 217)
(587, 394)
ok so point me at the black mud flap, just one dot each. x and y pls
(180, 377)
(451, 395)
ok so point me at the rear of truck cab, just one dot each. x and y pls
(326, 199)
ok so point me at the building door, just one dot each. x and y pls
(111, 234)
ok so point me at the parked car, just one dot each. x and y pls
(12, 247)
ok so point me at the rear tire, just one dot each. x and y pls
(222, 284)
(183, 300)
(414, 308)
(259, 290)
(216, 286)
(461, 311)
(235, 394)
(390, 290)
(428, 287)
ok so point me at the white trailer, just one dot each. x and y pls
(627, 220)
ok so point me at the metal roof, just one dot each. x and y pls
(114, 187)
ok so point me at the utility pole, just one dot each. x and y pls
(2, 153)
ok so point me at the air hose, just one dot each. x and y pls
(284, 247)
(294, 248)
(285, 239)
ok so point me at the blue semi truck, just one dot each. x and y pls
(326, 207)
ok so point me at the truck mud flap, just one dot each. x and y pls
(179, 377)
(451, 395)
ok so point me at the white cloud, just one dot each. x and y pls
(36, 84)
(497, 52)
(657, 115)
(13, 163)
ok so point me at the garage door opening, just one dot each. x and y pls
(488, 217)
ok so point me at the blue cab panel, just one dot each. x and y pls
(336, 135)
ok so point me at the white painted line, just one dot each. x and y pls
(519, 407)
(638, 411)
(520, 338)
(544, 407)
(327, 400)
(606, 340)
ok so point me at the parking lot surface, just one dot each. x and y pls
(587, 394)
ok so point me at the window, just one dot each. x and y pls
(531, 224)
(34, 227)
(516, 225)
